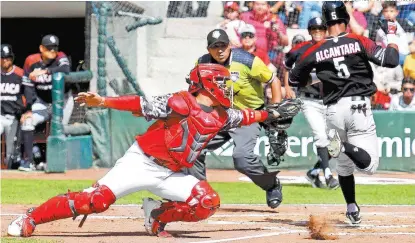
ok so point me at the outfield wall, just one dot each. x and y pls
(396, 132)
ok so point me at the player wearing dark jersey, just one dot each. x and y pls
(12, 105)
(38, 71)
(342, 64)
(313, 108)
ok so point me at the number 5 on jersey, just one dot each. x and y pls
(343, 72)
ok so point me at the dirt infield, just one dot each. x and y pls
(237, 223)
(232, 223)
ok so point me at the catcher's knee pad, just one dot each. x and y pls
(92, 200)
(202, 203)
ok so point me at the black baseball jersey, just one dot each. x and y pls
(42, 86)
(12, 92)
(342, 64)
(289, 61)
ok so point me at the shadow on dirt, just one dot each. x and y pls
(175, 233)
(246, 210)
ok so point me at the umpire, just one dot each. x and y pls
(248, 73)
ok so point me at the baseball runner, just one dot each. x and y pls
(342, 64)
(313, 108)
(38, 71)
(12, 104)
(186, 122)
(248, 74)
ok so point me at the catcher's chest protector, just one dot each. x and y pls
(187, 138)
(176, 142)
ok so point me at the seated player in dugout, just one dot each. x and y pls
(38, 71)
(12, 100)
(248, 74)
(186, 122)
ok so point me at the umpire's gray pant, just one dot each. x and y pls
(244, 158)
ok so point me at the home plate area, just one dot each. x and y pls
(233, 223)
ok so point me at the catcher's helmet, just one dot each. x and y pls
(316, 23)
(212, 78)
(6, 51)
(334, 12)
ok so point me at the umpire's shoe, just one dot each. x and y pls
(354, 217)
(274, 195)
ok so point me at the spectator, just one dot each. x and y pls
(409, 65)
(248, 40)
(406, 10)
(390, 12)
(12, 104)
(372, 18)
(38, 71)
(270, 30)
(288, 12)
(387, 80)
(404, 101)
(231, 24)
(357, 23)
(311, 9)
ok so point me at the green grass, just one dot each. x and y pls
(21, 191)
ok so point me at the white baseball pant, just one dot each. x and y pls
(136, 172)
(315, 113)
(357, 128)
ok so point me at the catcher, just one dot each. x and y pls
(186, 122)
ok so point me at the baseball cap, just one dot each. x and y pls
(217, 36)
(247, 28)
(232, 5)
(6, 51)
(50, 42)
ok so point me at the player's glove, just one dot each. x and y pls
(278, 142)
(390, 28)
(280, 115)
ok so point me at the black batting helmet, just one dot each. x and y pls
(316, 22)
(6, 51)
(335, 12)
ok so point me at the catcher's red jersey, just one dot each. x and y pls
(177, 140)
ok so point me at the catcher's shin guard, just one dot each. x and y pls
(202, 203)
(73, 204)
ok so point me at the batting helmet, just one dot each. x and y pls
(212, 78)
(316, 23)
(334, 12)
(6, 51)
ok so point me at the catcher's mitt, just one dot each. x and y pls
(280, 115)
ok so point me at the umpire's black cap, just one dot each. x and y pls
(6, 51)
(335, 11)
(51, 42)
(217, 36)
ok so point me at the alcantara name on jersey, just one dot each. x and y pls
(336, 51)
